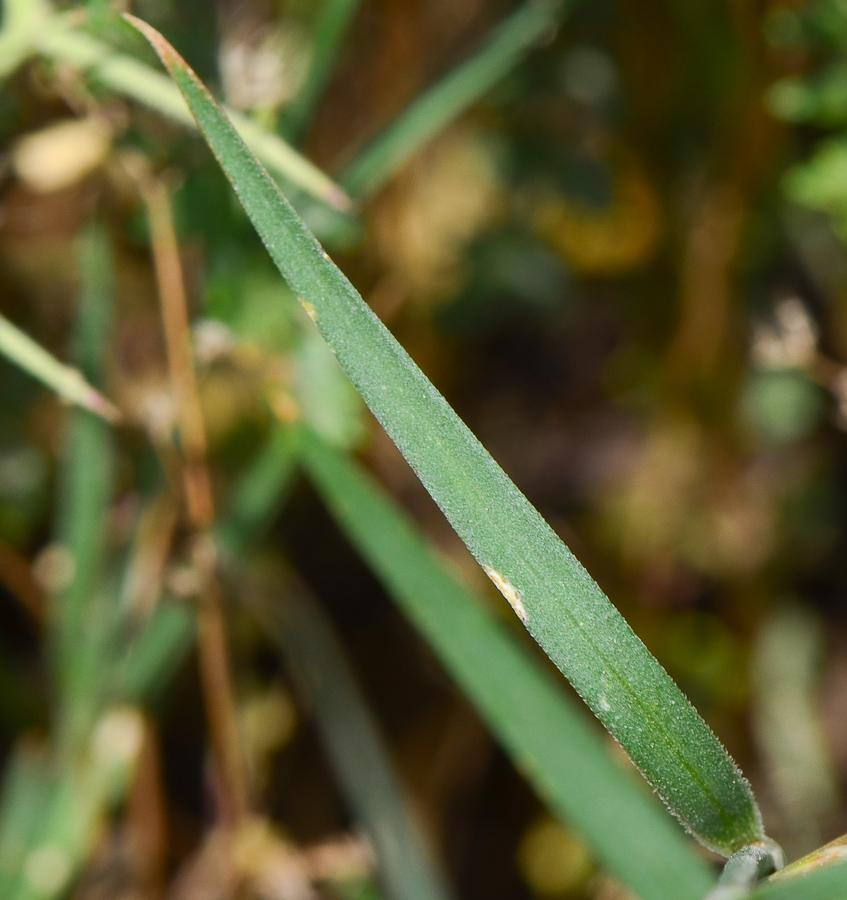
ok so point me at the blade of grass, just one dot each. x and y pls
(562, 607)
(28, 786)
(83, 514)
(550, 741)
(22, 14)
(166, 637)
(295, 621)
(831, 854)
(334, 21)
(69, 789)
(159, 648)
(76, 797)
(821, 884)
(258, 492)
(557, 600)
(161, 630)
(66, 381)
(445, 101)
(139, 82)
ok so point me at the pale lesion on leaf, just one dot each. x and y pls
(509, 591)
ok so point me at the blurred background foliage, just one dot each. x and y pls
(625, 267)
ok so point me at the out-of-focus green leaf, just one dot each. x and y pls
(557, 600)
(445, 101)
(77, 619)
(328, 402)
(745, 869)
(790, 729)
(24, 804)
(257, 493)
(67, 382)
(295, 622)
(827, 883)
(22, 20)
(50, 814)
(154, 653)
(782, 404)
(822, 101)
(334, 21)
(821, 182)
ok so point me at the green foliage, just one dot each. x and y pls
(542, 730)
(294, 619)
(550, 591)
(586, 239)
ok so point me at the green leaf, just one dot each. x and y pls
(51, 815)
(800, 879)
(294, 620)
(829, 883)
(552, 744)
(557, 600)
(22, 20)
(66, 381)
(28, 787)
(77, 621)
(256, 496)
(446, 100)
(147, 662)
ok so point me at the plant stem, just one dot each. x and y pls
(211, 632)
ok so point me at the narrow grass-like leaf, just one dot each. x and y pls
(293, 619)
(155, 653)
(821, 884)
(139, 82)
(83, 513)
(256, 495)
(831, 855)
(542, 730)
(28, 786)
(446, 100)
(94, 316)
(166, 637)
(557, 600)
(66, 381)
(52, 813)
(334, 21)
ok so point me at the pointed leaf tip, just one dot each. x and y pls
(169, 56)
(165, 51)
